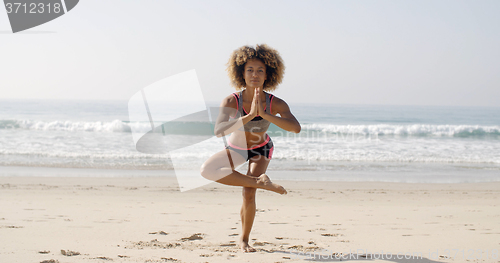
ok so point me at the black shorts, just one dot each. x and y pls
(265, 149)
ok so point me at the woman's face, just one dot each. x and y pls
(254, 73)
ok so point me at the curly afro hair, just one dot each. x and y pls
(275, 68)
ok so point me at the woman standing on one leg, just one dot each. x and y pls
(246, 115)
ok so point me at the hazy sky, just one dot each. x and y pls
(349, 52)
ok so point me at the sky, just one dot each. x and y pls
(341, 52)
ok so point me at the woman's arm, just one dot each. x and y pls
(287, 121)
(224, 126)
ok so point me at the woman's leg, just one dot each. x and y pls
(256, 167)
(220, 166)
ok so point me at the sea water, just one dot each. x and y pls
(337, 142)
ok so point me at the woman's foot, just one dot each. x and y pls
(245, 247)
(265, 183)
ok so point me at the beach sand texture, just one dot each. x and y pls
(149, 220)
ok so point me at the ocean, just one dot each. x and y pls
(437, 144)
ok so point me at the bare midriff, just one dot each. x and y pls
(247, 139)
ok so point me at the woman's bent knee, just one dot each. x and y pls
(207, 172)
(212, 173)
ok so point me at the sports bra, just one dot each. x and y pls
(257, 124)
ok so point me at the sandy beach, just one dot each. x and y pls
(148, 220)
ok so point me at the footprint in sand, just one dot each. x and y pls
(296, 247)
(153, 244)
(196, 236)
(331, 235)
(263, 243)
(50, 261)
(228, 245)
(12, 226)
(159, 233)
(69, 253)
(170, 259)
(104, 258)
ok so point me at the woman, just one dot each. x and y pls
(246, 115)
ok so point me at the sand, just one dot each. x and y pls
(55, 219)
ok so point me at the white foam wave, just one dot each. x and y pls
(375, 129)
(88, 126)
(406, 130)
(309, 156)
(384, 159)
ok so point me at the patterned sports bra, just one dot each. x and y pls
(257, 124)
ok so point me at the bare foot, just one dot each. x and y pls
(265, 183)
(245, 247)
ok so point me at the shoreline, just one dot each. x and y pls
(410, 177)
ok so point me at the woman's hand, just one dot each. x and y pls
(254, 110)
(257, 108)
(260, 108)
